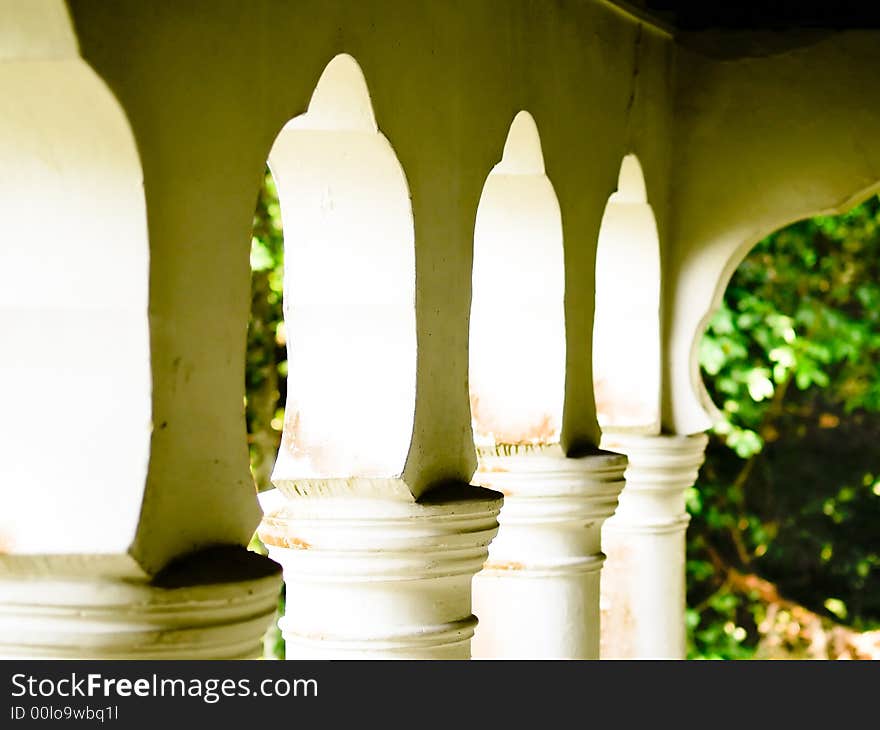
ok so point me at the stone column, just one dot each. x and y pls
(377, 578)
(108, 518)
(643, 585)
(216, 604)
(538, 594)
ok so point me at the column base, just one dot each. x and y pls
(216, 604)
(538, 594)
(381, 579)
(643, 585)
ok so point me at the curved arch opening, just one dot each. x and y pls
(626, 329)
(517, 322)
(74, 274)
(349, 291)
(788, 497)
(694, 410)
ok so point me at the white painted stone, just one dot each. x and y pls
(538, 594)
(643, 584)
(170, 397)
(371, 578)
(121, 382)
(180, 615)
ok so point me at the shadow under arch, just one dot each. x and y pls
(349, 295)
(626, 330)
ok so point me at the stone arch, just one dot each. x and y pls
(349, 294)
(517, 323)
(626, 330)
(701, 279)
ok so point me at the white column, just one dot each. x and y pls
(377, 578)
(643, 584)
(217, 605)
(538, 594)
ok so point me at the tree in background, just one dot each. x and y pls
(266, 368)
(266, 365)
(783, 558)
(782, 554)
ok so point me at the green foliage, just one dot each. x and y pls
(266, 366)
(788, 491)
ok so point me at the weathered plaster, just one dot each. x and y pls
(185, 101)
(208, 85)
(760, 142)
(349, 296)
(381, 578)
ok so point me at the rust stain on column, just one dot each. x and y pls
(503, 566)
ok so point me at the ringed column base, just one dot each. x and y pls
(644, 583)
(374, 578)
(213, 605)
(538, 594)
